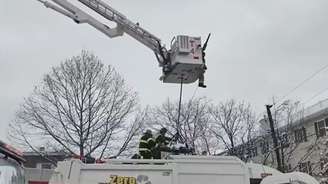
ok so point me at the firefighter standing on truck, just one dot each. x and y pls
(161, 144)
(146, 144)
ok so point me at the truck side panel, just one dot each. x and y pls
(177, 170)
(211, 179)
(126, 176)
(209, 173)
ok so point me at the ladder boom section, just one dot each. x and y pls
(123, 23)
(183, 62)
(132, 29)
(79, 16)
(60, 10)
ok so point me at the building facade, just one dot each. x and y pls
(302, 144)
(42, 159)
(39, 166)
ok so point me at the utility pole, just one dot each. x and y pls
(274, 138)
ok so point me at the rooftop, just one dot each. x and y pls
(33, 153)
(312, 111)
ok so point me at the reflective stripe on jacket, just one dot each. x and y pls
(162, 140)
(144, 149)
(146, 143)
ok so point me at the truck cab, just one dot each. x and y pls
(11, 169)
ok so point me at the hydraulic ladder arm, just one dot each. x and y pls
(184, 62)
(79, 16)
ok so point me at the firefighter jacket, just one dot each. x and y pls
(146, 143)
(162, 140)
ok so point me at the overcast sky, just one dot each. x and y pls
(258, 49)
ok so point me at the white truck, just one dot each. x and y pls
(175, 170)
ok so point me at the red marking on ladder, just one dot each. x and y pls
(38, 182)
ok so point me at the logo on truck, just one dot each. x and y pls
(116, 179)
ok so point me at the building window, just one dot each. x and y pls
(240, 151)
(254, 151)
(264, 147)
(324, 166)
(300, 135)
(305, 167)
(321, 127)
(251, 149)
(284, 140)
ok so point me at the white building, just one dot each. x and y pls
(303, 144)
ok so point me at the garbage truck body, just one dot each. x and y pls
(176, 170)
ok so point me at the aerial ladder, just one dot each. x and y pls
(183, 63)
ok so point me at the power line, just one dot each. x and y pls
(304, 81)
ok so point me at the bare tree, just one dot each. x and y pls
(323, 163)
(125, 142)
(284, 116)
(193, 127)
(233, 123)
(250, 125)
(80, 106)
(296, 145)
